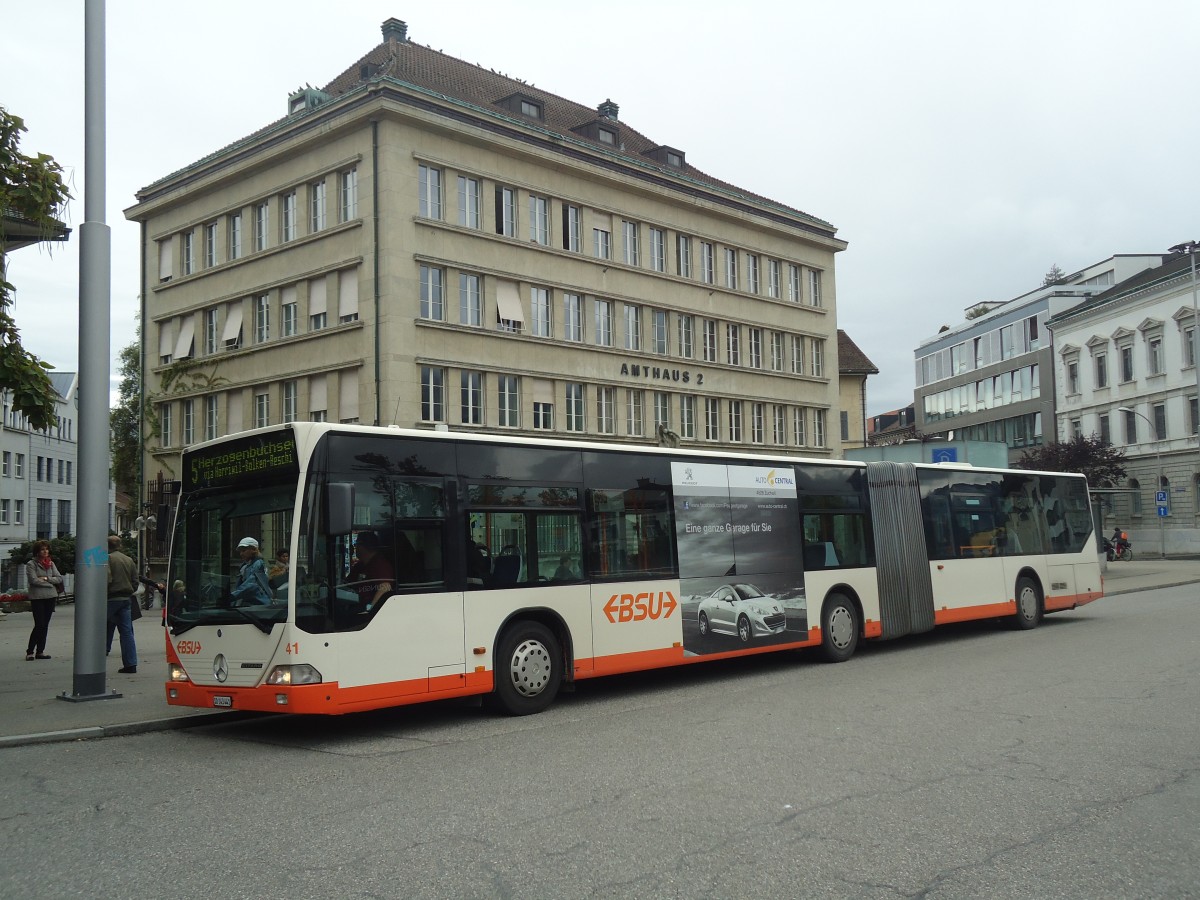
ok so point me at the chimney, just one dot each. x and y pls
(395, 30)
(609, 110)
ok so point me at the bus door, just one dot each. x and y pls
(975, 576)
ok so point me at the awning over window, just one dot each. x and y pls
(543, 391)
(234, 412)
(233, 322)
(316, 296)
(348, 395)
(165, 258)
(508, 302)
(166, 337)
(187, 331)
(347, 294)
(317, 387)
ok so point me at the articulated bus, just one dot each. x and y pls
(433, 564)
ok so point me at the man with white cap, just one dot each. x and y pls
(252, 585)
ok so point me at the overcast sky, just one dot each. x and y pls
(960, 148)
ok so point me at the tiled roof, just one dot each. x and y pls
(851, 360)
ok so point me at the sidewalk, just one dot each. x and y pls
(31, 710)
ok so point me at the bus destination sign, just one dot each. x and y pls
(237, 461)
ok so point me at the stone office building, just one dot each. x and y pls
(427, 242)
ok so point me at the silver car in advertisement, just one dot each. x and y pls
(742, 610)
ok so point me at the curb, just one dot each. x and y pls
(151, 725)
(1155, 587)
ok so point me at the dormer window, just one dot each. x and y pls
(605, 136)
(524, 105)
(531, 109)
(674, 159)
(668, 156)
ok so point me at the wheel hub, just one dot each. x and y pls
(530, 668)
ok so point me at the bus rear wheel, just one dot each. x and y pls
(529, 665)
(1029, 605)
(839, 628)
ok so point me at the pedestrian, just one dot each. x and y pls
(122, 574)
(45, 583)
(252, 585)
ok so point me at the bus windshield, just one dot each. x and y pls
(206, 564)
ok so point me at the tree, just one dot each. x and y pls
(1054, 276)
(976, 311)
(32, 193)
(62, 551)
(1101, 462)
(125, 423)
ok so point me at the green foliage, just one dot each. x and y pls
(1101, 462)
(62, 551)
(1054, 276)
(127, 421)
(977, 311)
(31, 189)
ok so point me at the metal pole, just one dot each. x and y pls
(1195, 342)
(95, 289)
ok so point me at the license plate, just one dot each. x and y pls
(222, 701)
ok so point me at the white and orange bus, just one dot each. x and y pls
(436, 564)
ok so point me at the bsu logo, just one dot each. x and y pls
(636, 607)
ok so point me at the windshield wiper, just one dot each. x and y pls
(179, 625)
(264, 627)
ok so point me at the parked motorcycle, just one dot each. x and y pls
(1118, 546)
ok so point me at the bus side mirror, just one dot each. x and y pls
(339, 507)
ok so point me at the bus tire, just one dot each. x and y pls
(529, 665)
(1029, 604)
(745, 629)
(839, 628)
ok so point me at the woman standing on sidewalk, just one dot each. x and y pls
(44, 583)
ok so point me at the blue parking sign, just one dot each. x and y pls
(1160, 497)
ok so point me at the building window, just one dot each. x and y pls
(814, 293)
(210, 245)
(189, 422)
(470, 299)
(733, 345)
(1154, 358)
(712, 419)
(683, 256)
(1160, 421)
(708, 263)
(817, 352)
(210, 331)
(629, 232)
(470, 202)
(539, 301)
(633, 327)
(429, 190)
(289, 319)
(166, 431)
(774, 281)
(8, 461)
(262, 225)
(1126, 363)
(1101, 364)
(472, 398)
(601, 243)
(262, 410)
(262, 318)
(607, 137)
(658, 250)
(662, 410)
(1130, 426)
(1189, 347)
(1194, 419)
(317, 321)
(433, 394)
(1072, 377)
(349, 195)
(44, 509)
(543, 416)
(776, 351)
(798, 422)
(4, 505)
(755, 348)
(710, 340)
(659, 331)
(758, 423)
(793, 283)
(686, 326)
(210, 417)
(604, 323)
(605, 409)
(735, 421)
(506, 211)
(288, 214)
(779, 425)
(1135, 496)
(188, 259)
(234, 226)
(635, 419)
(687, 416)
(290, 399)
(818, 428)
(316, 197)
(433, 304)
(575, 408)
(572, 229)
(539, 220)
(731, 269)
(752, 273)
(1076, 429)
(510, 401)
(573, 317)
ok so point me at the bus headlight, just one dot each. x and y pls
(302, 674)
(175, 672)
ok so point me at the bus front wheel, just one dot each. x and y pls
(839, 628)
(529, 665)
(1029, 605)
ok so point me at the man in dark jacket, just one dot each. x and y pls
(122, 576)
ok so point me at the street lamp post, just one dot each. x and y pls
(1162, 535)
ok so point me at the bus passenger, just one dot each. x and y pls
(564, 572)
(371, 575)
(252, 584)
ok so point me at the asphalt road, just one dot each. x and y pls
(975, 762)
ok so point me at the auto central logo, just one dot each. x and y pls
(220, 668)
(775, 480)
(638, 607)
